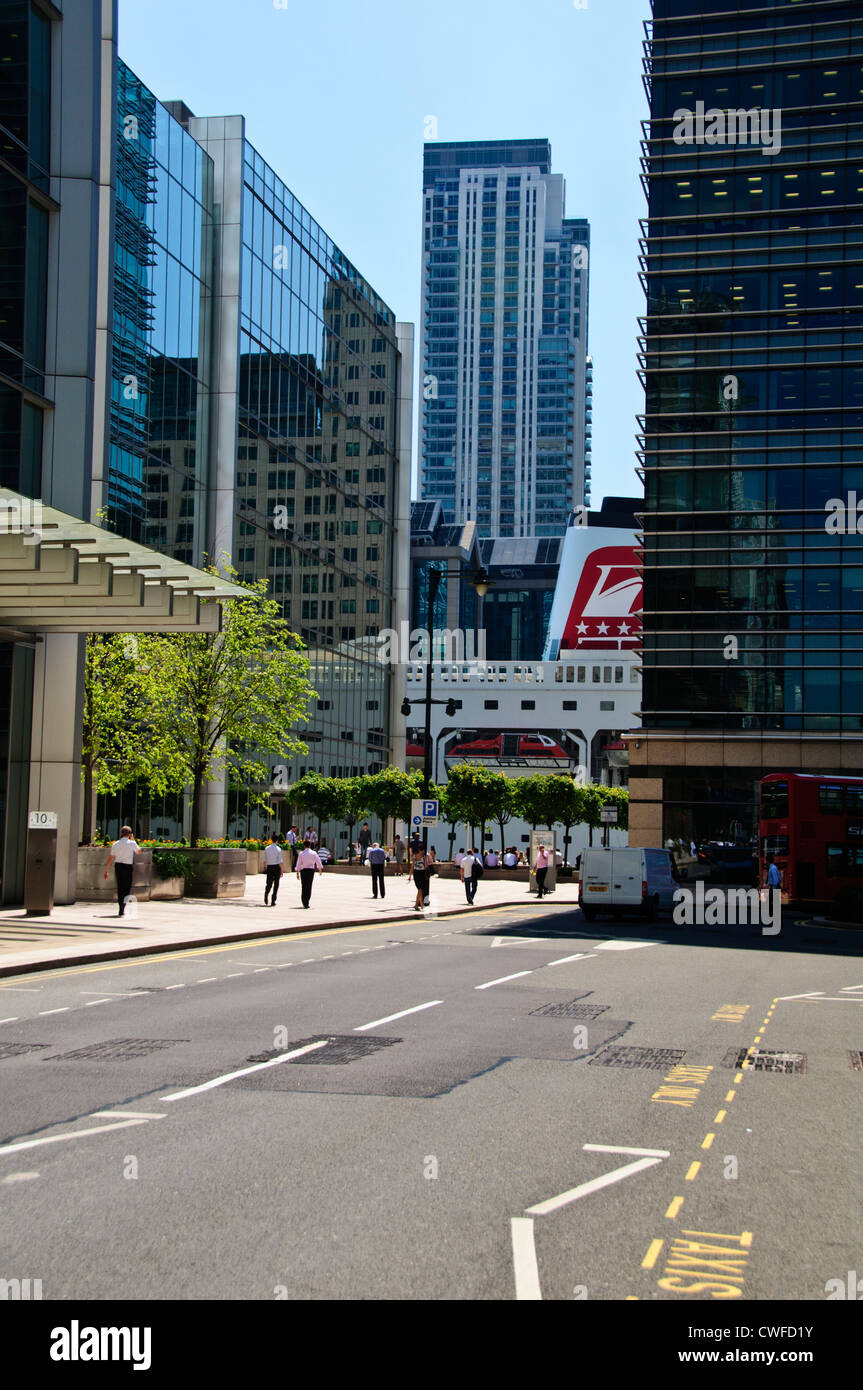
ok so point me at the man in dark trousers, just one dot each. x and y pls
(364, 839)
(273, 861)
(122, 856)
(308, 864)
(377, 859)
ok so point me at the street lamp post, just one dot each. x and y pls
(480, 582)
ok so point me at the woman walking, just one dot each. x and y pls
(419, 870)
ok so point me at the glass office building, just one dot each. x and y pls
(752, 358)
(163, 266)
(506, 403)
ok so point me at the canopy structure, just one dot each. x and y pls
(59, 574)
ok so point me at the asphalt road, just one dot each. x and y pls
(506, 1105)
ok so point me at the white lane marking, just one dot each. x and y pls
(44, 1012)
(503, 979)
(524, 1259)
(9, 1020)
(309, 960)
(582, 955)
(284, 965)
(616, 1149)
(22, 989)
(624, 945)
(235, 975)
(91, 1002)
(175, 986)
(849, 989)
(112, 993)
(596, 1184)
(126, 1115)
(330, 957)
(824, 999)
(390, 1018)
(246, 1071)
(207, 980)
(498, 941)
(259, 970)
(75, 1134)
(20, 1177)
(813, 994)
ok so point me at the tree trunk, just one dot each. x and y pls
(197, 790)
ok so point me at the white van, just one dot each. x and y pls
(627, 880)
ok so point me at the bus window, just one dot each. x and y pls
(854, 800)
(854, 857)
(774, 800)
(831, 801)
(774, 844)
(835, 860)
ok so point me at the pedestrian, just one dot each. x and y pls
(459, 857)
(292, 838)
(312, 839)
(467, 874)
(365, 840)
(273, 862)
(774, 877)
(492, 859)
(510, 859)
(399, 854)
(540, 867)
(308, 864)
(122, 856)
(419, 872)
(377, 860)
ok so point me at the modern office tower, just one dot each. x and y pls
(63, 575)
(309, 441)
(506, 395)
(753, 425)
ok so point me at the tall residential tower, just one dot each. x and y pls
(506, 377)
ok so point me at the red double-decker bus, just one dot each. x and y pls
(813, 827)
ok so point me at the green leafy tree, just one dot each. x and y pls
(470, 797)
(388, 794)
(500, 800)
(230, 700)
(121, 742)
(323, 798)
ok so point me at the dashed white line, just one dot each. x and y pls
(246, 1071)
(524, 1259)
(258, 970)
(503, 979)
(390, 1018)
(234, 976)
(75, 1134)
(582, 955)
(44, 1012)
(207, 980)
(175, 986)
(92, 1002)
(9, 1020)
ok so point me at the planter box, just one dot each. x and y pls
(165, 888)
(93, 887)
(216, 873)
(255, 861)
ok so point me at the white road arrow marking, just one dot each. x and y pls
(526, 1268)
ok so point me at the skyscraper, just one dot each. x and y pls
(506, 379)
(753, 425)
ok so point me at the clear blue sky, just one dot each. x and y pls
(336, 93)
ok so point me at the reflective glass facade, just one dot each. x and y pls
(316, 474)
(752, 357)
(158, 473)
(505, 275)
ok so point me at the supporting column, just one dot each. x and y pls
(55, 750)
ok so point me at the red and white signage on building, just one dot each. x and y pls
(598, 598)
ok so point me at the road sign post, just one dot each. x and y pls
(607, 817)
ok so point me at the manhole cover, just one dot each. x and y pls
(856, 1060)
(652, 1058)
(116, 1050)
(340, 1050)
(788, 1063)
(20, 1049)
(571, 1009)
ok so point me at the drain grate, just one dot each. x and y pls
(116, 1050)
(20, 1049)
(571, 1009)
(856, 1060)
(340, 1050)
(788, 1063)
(651, 1058)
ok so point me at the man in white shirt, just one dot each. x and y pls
(273, 862)
(122, 856)
(308, 864)
(291, 838)
(468, 877)
(510, 859)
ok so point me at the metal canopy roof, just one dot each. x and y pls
(59, 574)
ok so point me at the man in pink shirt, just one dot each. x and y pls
(541, 869)
(308, 864)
